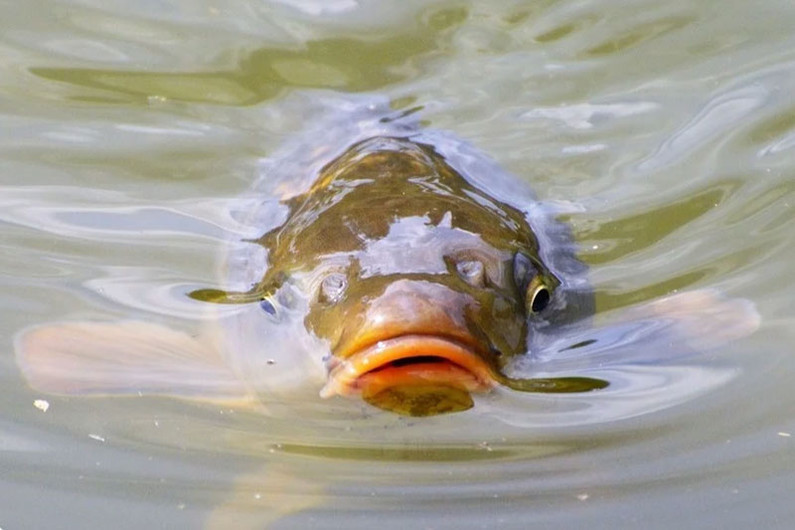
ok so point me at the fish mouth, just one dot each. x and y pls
(420, 364)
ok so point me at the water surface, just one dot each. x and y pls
(663, 132)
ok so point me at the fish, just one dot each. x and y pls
(421, 283)
(418, 274)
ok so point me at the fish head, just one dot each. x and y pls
(421, 283)
(423, 317)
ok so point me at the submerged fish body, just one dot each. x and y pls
(413, 271)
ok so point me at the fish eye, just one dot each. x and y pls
(268, 304)
(473, 272)
(538, 295)
(332, 287)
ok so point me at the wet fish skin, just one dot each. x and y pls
(391, 241)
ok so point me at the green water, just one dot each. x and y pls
(664, 133)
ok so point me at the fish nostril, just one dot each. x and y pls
(333, 287)
(473, 272)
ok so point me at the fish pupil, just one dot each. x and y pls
(540, 300)
(267, 306)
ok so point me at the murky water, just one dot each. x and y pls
(664, 132)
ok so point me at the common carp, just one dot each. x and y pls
(417, 284)
(422, 284)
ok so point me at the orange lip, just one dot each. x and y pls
(409, 359)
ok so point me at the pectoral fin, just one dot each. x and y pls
(129, 357)
(702, 319)
(664, 330)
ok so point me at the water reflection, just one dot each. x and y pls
(368, 62)
(718, 115)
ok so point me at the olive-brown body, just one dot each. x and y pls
(421, 284)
